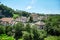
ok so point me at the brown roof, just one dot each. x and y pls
(6, 19)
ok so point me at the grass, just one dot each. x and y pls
(15, 16)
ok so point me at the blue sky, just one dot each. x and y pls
(38, 6)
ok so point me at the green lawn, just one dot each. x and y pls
(15, 16)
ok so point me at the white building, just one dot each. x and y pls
(40, 24)
(21, 19)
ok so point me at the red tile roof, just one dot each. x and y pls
(7, 20)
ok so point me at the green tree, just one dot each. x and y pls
(8, 30)
(18, 30)
(6, 37)
(35, 33)
(38, 34)
(52, 38)
(2, 29)
(27, 36)
(28, 27)
(53, 25)
(31, 19)
(23, 13)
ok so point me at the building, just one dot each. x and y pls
(40, 25)
(35, 17)
(42, 17)
(21, 19)
(6, 21)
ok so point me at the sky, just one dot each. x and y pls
(38, 6)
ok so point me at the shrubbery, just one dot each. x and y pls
(28, 32)
(53, 25)
(6, 37)
(23, 32)
(52, 38)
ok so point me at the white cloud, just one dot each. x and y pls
(28, 7)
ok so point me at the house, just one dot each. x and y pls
(40, 24)
(42, 17)
(21, 19)
(35, 17)
(6, 21)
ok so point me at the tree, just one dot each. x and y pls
(23, 13)
(8, 30)
(2, 29)
(27, 36)
(31, 19)
(53, 25)
(28, 28)
(18, 30)
(6, 11)
(52, 38)
(38, 34)
(6, 37)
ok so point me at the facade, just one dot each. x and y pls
(42, 17)
(6, 21)
(35, 17)
(40, 24)
(21, 19)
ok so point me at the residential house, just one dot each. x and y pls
(21, 19)
(42, 17)
(35, 17)
(40, 24)
(6, 21)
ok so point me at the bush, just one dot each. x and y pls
(53, 25)
(52, 38)
(28, 28)
(20, 39)
(27, 36)
(5, 37)
(8, 30)
(18, 30)
(2, 29)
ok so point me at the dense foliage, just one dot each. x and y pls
(6, 37)
(6, 11)
(23, 31)
(52, 38)
(9, 12)
(53, 25)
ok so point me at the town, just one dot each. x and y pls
(22, 25)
